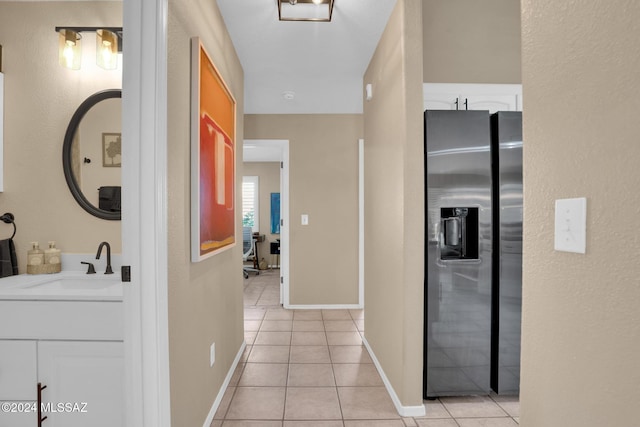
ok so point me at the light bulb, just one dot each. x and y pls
(69, 49)
(106, 49)
(68, 54)
(317, 1)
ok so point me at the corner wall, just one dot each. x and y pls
(40, 97)
(394, 203)
(323, 183)
(581, 321)
(205, 298)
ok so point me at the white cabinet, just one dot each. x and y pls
(19, 419)
(86, 378)
(74, 350)
(453, 96)
(18, 383)
(18, 376)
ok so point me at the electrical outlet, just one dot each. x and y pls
(212, 355)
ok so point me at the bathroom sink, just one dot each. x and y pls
(64, 286)
(75, 284)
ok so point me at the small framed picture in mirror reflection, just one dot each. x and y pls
(111, 150)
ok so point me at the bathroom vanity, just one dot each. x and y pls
(61, 350)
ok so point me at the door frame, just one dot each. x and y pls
(144, 221)
(361, 223)
(283, 146)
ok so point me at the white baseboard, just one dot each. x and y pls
(323, 306)
(225, 384)
(404, 411)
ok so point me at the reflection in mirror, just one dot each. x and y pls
(92, 154)
(96, 152)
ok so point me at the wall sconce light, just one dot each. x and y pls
(108, 45)
(305, 10)
(106, 49)
(69, 49)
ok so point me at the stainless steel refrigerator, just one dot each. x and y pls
(506, 146)
(466, 321)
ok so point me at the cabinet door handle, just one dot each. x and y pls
(40, 417)
(466, 103)
(457, 105)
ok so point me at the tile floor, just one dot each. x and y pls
(308, 368)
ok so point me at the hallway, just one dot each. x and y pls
(308, 368)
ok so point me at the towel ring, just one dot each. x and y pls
(8, 218)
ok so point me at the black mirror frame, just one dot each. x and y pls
(86, 105)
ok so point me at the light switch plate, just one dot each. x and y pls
(212, 354)
(304, 219)
(571, 225)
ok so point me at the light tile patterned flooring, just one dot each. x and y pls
(308, 368)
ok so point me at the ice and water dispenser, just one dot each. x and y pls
(458, 233)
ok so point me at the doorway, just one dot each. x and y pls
(275, 151)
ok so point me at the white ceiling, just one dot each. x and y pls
(322, 62)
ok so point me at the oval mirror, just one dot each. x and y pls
(91, 154)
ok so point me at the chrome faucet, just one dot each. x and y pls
(109, 270)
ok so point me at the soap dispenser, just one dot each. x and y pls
(52, 255)
(35, 255)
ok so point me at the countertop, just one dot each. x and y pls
(63, 286)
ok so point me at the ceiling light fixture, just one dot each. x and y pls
(305, 10)
(108, 45)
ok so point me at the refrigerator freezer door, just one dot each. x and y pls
(507, 288)
(458, 294)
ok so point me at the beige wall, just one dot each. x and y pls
(394, 203)
(471, 41)
(40, 99)
(269, 182)
(323, 177)
(205, 298)
(581, 316)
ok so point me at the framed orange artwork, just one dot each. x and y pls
(213, 158)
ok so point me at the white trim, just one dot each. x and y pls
(361, 222)
(283, 145)
(144, 222)
(225, 384)
(323, 306)
(404, 411)
(285, 229)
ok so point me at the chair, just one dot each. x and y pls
(248, 251)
